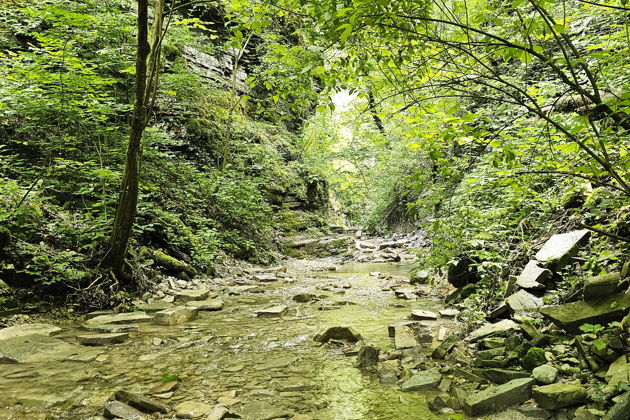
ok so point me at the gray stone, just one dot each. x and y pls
(545, 374)
(533, 276)
(111, 328)
(461, 294)
(419, 315)
(159, 305)
(36, 348)
(391, 327)
(146, 404)
(449, 313)
(339, 334)
(531, 410)
(585, 413)
(304, 297)
(175, 316)
(206, 305)
(412, 335)
(560, 395)
(219, 412)
(271, 311)
(497, 398)
(621, 409)
(500, 376)
(367, 357)
(262, 410)
(28, 329)
(265, 278)
(388, 375)
(424, 380)
(601, 286)
(118, 410)
(618, 371)
(523, 301)
(560, 248)
(124, 318)
(492, 329)
(102, 339)
(192, 409)
(184, 296)
(571, 316)
(445, 346)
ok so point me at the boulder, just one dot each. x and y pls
(424, 380)
(492, 329)
(533, 276)
(124, 318)
(367, 357)
(560, 248)
(545, 374)
(497, 398)
(523, 302)
(421, 315)
(28, 329)
(534, 357)
(206, 305)
(118, 410)
(102, 339)
(146, 404)
(188, 295)
(176, 315)
(338, 334)
(271, 311)
(601, 286)
(571, 316)
(559, 395)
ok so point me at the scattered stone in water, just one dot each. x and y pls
(160, 305)
(188, 295)
(559, 395)
(124, 318)
(163, 388)
(102, 339)
(545, 374)
(118, 410)
(235, 368)
(445, 346)
(111, 328)
(424, 380)
(497, 398)
(265, 278)
(176, 315)
(261, 410)
(272, 311)
(559, 249)
(419, 314)
(206, 305)
(296, 384)
(28, 329)
(304, 297)
(345, 334)
(449, 313)
(141, 402)
(192, 409)
(36, 348)
(367, 357)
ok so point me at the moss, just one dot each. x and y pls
(172, 264)
(534, 358)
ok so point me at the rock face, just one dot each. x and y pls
(533, 276)
(176, 315)
(559, 395)
(601, 311)
(601, 286)
(423, 381)
(27, 329)
(523, 301)
(125, 318)
(559, 249)
(36, 348)
(497, 398)
(339, 334)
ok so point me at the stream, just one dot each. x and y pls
(274, 364)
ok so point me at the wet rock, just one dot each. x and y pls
(545, 374)
(184, 296)
(445, 346)
(438, 402)
(500, 376)
(271, 311)
(601, 286)
(28, 329)
(388, 375)
(621, 409)
(523, 301)
(118, 410)
(497, 398)
(560, 248)
(424, 380)
(391, 328)
(304, 297)
(36, 348)
(346, 334)
(102, 339)
(94, 314)
(124, 318)
(461, 294)
(296, 385)
(559, 395)
(449, 313)
(206, 305)
(176, 315)
(192, 409)
(146, 404)
(420, 277)
(412, 335)
(265, 278)
(261, 410)
(160, 305)
(533, 277)
(531, 410)
(164, 388)
(491, 329)
(111, 328)
(367, 357)
(420, 315)
(571, 316)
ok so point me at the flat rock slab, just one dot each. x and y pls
(176, 315)
(146, 404)
(265, 278)
(206, 305)
(125, 318)
(159, 305)
(111, 328)
(404, 338)
(571, 316)
(419, 314)
(28, 329)
(618, 371)
(36, 348)
(188, 295)
(192, 409)
(261, 410)
(102, 339)
(601, 286)
(271, 311)
(449, 313)
(533, 276)
(491, 329)
(500, 376)
(560, 395)
(497, 398)
(424, 380)
(118, 410)
(523, 301)
(559, 249)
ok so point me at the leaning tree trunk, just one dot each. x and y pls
(147, 69)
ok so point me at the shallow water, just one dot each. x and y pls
(274, 364)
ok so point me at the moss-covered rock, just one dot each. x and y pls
(172, 264)
(533, 358)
